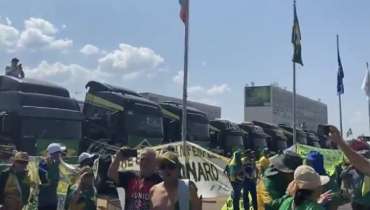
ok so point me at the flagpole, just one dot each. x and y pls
(294, 105)
(340, 114)
(368, 98)
(185, 88)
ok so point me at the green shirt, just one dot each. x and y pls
(275, 185)
(307, 205)
(86, 202)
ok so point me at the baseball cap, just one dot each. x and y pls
(308, 179)
(54, 147)
(169, 157)
(84, 156)
(21, 156)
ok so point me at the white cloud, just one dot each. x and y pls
(89, 49)
(64, 26)
(200, 93)
(38, 34)
(178, 78)
(8, 36)
(74, 76)
(218, 89)
(128, 59)
(41, 25)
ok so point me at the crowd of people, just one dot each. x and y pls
(157, 185)
(282, 182)
(288, 182)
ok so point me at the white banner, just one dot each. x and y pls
(204, 167)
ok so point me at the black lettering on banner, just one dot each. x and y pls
(214, 172)
(201, 172)
(207, 170)
(191, 170)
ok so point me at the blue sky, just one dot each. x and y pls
(139, 44)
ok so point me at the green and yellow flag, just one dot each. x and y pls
(296, 39)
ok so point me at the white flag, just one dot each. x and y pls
(366, 82)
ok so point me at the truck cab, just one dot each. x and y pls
(35, 113)
(227, 137)
(256, 138)
(118, 116)
(301, 135)
(278, 141)
(197, 124)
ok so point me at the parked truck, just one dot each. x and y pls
(197, 124)
(117, 116)
(278, 141)
(226, 137)
(256, 139)
(35, 113)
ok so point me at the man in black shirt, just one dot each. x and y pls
(136, 185)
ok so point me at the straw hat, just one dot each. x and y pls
(305, 177)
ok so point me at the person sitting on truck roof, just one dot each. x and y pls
(15, 70)
(136, 185)
(15, 183)
(49, 177)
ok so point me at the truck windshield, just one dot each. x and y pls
(44, 128)
(234, 141)
(198, 128)
(143, 124)
(260, 143)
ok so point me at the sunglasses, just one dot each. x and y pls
(169, 166)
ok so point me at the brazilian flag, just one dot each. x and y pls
(296, 39)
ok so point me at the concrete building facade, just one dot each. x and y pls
(274, 105)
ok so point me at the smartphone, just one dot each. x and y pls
(128, 152)
(323, 130)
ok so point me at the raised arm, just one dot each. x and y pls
(358, 161)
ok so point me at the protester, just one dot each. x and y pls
(263, 162)
(305, 190)
(137, 186)
(15, 69)
(316, 160)
(49, 177)
(173, 193)
(86, 159)
(280, 173)
(235, 172)
(82, 195)
(360, 198)
(15, 183)
(357, 160)
(250, 179)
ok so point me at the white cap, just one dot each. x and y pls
(84, 156)
(53, 148)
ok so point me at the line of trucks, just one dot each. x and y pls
(35, 113)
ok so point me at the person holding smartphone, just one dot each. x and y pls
(358, 161)
(82, 195)
(136, 184)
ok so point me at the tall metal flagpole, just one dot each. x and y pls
(340, 114)
(367, 91)
(294, 106)
(185, 87)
